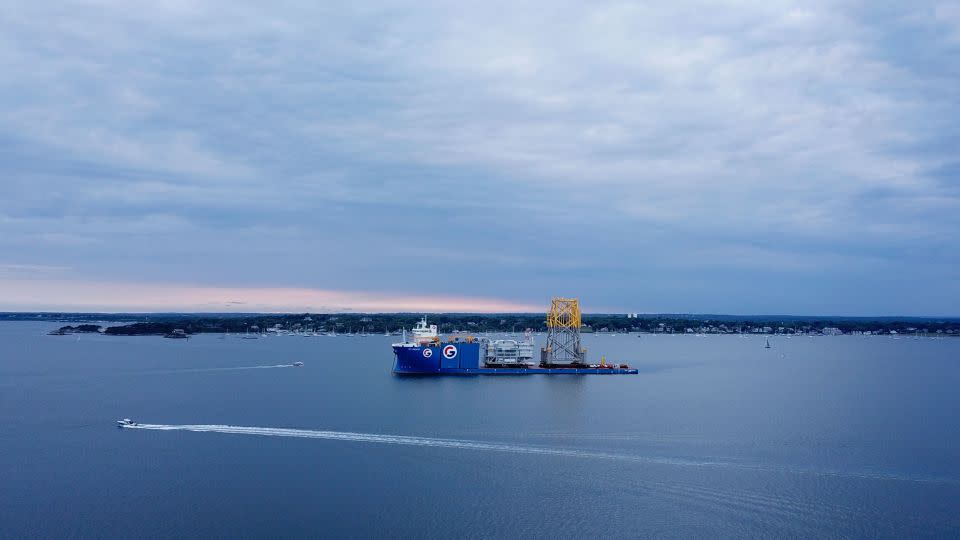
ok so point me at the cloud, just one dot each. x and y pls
(28, 270)
(511, 149)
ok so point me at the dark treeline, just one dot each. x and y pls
(79, 329)
(157, 324)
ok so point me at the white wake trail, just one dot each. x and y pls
(260, 367)
(406, 440)
(235, 368)
(466, 444)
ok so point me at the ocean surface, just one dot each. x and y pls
(840, 436)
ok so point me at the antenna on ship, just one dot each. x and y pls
(563, 335)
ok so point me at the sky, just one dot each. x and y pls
(654, 157)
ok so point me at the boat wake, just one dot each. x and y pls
(462, 444)
(466, 444)
(235, 368)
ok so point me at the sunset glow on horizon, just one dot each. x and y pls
(70, 296)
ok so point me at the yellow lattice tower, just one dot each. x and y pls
(563, 334)
(564, 313)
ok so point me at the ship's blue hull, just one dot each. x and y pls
(464, 359)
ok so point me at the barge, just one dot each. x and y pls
(426, 354)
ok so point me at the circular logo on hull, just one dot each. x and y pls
(427, 353)
(450, 351)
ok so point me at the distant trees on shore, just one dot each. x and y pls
(159, 324)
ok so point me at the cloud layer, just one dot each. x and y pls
(706, 156)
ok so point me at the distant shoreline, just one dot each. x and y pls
(392, 323)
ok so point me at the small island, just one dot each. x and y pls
(79, 329)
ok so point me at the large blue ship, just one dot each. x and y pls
(426, 354)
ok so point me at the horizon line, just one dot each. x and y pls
(478, 313)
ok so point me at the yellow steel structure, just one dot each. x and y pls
(564, 313)
(563, 334)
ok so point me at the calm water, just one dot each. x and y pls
(828, 436)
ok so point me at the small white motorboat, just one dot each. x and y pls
(126, 422)
(297, 364)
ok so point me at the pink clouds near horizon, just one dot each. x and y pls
(102, 296)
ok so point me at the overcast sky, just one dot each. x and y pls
(719, 157)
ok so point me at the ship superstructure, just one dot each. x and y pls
(423, 334)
